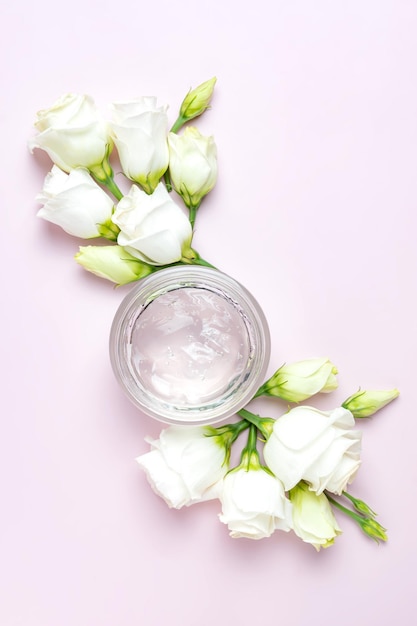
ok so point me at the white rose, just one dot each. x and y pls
(313, 519)
(316, 446)
(72, 133)
(254, 504)
(76, 203)
(185, 464)
(139, 131)
(192, 165)
(298, 381)
(152, 227)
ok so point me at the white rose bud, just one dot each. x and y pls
(140, 131)
(197, 100)
(313, 519)
(316, 446)
(77, 204)
(152, 227)
(254, 504)
(298, 381)
(185, 464)
(192, 165)
(113, 263)
(72, 133)
(366, 403)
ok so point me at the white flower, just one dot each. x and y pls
(140, 131)
(316, 446)
(153, 228)
(192, 165)
(113, 263)
(254, 504)
(72, 133)
(313, 519)
(185, 464)
(75, 202)
(298, 381)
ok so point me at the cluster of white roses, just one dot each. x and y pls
(150, 228)
(309, 457)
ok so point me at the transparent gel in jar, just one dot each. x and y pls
(189, 345)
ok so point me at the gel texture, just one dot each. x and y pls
(189, 346)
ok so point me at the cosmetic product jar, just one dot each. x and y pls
(189, 345)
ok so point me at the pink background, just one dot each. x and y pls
(315, 117)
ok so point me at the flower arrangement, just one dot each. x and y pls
(294, 469)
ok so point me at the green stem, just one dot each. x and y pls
(260, 392)
(349, 497)
(113, 188)
(249, 459)
(179, 122)
(233, 430)
(228, 435)
(200, 261)
(344, 509)
(167, 180)
(193, 214)
(252, 439)
(103, 174)
(238, 428)
(186, 261)
(107, 180)
(359, 505)
(368, 525)
(264, 425)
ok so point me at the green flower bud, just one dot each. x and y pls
(360, 505)
(374, 529)
(197, 100)
(113, 263)
(366, 403)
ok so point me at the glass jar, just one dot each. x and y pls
(189, 345)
